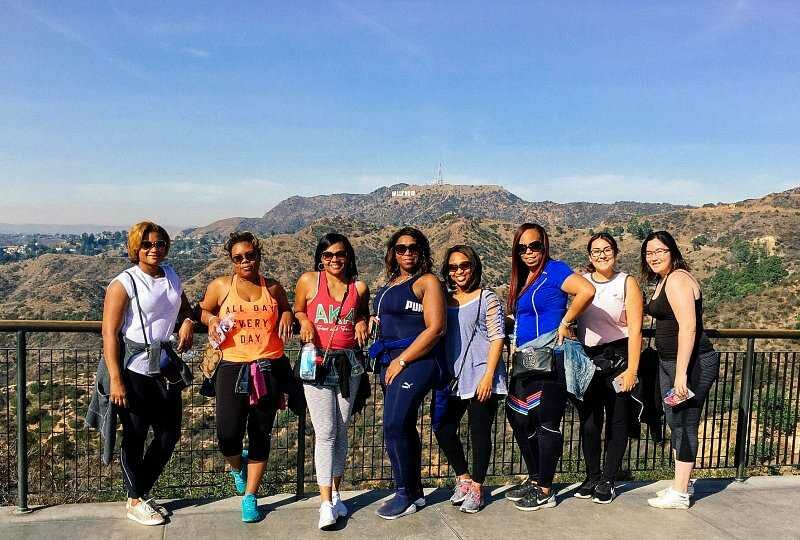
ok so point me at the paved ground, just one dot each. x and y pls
(761, 507)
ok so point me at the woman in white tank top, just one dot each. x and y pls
(611, 332)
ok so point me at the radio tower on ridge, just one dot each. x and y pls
(438, 179)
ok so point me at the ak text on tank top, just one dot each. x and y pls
(399, 311)
(331, 316)
(667, 326)
(254, 335)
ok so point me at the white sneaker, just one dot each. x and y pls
(327, 515)
(143, 513)
(689, 490)
(338, 504)
(671, 499)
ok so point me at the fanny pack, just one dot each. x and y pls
(610, 359)
(532, 361)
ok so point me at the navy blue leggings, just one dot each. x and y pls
(401, 402)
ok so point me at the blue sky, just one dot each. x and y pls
(186, 112)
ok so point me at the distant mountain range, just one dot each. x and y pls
(72, 286)
(405, 203)
(39, 228)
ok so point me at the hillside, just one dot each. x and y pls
(385, 206)
(71, 286)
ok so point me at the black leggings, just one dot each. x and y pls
(538, 433)
(481, 419)
(150, 405)
(684, 419)
(602, 402)
(235, 414)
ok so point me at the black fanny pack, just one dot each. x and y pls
(532, 362)
(610, 358)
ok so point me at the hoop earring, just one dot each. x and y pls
(320, 267)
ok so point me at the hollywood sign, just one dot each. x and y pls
(404, 193)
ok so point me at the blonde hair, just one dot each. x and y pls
(139, 232)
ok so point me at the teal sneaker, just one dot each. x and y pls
(240, 476)
(250, 511)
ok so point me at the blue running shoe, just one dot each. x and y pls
(398, 506)
(250, 513)
(240, 476)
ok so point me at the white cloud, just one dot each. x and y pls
(195, 53)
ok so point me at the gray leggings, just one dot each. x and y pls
(330, 414)
(684, 419)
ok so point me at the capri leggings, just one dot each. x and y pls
(330, 414)
(535, 408)
(235, 414)
(684, 419)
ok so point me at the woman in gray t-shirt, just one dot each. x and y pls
(473, 347)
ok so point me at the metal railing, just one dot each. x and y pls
(47, 455)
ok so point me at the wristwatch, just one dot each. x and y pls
(402, 363)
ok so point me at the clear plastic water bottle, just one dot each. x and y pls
(308, 364)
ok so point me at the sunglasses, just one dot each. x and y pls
(158, 244)
(328, 255)
(463, 266)
(536, 245)
(250, 256)
(402, 249)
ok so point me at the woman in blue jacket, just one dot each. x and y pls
(537, 300)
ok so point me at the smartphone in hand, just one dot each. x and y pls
(616, 382)
(672, 399)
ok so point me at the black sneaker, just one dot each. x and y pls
(586, 489)
(604, 492)
(536, 499)
(519, 492)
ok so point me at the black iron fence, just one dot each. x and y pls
(47, 455)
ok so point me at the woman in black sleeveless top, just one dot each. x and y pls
(687, 360)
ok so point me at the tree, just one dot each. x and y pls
(699, 240)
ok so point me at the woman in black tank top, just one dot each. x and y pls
(687, 360)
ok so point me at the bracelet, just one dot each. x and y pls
(209, 319)
(566, 323)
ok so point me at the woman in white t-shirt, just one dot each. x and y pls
(611, 332)
(142, 305)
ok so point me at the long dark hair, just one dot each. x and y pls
(425, 260)
(519, 271)
(477, 268)
(350, 268)
(676, 258)
(600, 236)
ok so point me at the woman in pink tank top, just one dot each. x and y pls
(611, 332)
(332, 307)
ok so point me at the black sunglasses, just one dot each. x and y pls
(401, 249)
(158, 244)
(250, 256)
(463, 266)
(329, 255)
(536, 245)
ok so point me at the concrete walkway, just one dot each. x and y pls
(761, 507)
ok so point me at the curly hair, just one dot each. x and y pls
(138, 233)
(242, 236)
(425, 259)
